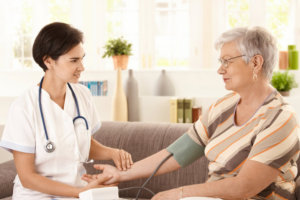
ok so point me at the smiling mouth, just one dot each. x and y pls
(77, 75)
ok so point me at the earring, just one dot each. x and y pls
(254, 76)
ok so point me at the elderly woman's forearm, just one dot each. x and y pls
(144, 168)
(229, 188)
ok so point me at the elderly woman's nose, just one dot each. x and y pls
(221, 70)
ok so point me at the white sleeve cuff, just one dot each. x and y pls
(9, 146)
(96, 128)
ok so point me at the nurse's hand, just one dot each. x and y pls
(107, 170)
(122, 159)
(97, 182)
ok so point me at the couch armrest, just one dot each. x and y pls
(7, 176)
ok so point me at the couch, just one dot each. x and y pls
(140, 139)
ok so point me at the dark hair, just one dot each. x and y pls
(54, 40)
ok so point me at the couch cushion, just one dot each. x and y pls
(7, 176)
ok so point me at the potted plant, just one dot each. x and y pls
(283, 82)
(119, 49)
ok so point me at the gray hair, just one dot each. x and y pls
(251, 42)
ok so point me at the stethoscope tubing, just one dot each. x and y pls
(52, 146)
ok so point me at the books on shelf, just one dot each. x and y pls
(181, 110)
(97, 88)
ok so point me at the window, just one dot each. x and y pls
(278, 21)
(122, 20)
(238, 13)
(163, 33)
(275, 17)
(171, 33)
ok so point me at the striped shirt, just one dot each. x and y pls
(270, 136)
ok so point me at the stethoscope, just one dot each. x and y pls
(50, 147)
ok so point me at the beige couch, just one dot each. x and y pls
(141, 140)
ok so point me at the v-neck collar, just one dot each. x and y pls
(273, 93)
(68, 95)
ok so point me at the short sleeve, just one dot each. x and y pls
(18, 133)
(277, 145)
(190, 146)
(198, 132)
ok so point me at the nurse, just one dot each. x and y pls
(49, 128)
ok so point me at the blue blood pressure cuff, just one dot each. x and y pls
(185, 150)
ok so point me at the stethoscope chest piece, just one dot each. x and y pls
(49, 147)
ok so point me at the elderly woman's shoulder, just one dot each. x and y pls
(228, 98)
(280, 103)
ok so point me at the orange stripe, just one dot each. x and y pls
(283, 179)
(280, 196)
(288, 160)
(210, 107)
(274, 144)
(274, 131)
(239, 166)
(224, 99)
(203, 128)
(206, 132)
(225, 120)
(234, 142)
(292, 173)
(269, 195)
(233, 134)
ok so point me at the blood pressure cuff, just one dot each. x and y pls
(185, 150)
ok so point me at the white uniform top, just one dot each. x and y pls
(24, 132)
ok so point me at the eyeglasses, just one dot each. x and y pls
(225, 62)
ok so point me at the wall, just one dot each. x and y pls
(203, 85)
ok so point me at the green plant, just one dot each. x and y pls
(115, 47)
(283, 81)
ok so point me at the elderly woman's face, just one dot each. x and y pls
(237, 75)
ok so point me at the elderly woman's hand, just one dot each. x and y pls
(122, 159)
(173, 194)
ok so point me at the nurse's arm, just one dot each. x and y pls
(30, 179)
(121, 158)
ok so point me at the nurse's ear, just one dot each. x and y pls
(48, 61)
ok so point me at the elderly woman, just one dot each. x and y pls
(250, 136)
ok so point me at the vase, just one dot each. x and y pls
(132, 94)
(119, 104)
(292, 57)
(283, 60)
(164, 86)
(120, 61)
(285, 93)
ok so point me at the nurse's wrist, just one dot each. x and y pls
(78, 190)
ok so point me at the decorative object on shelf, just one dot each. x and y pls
(97, 88)
(120, 50)
(188, 104)
(293, 57)
(164, 86)
(119, 104)
(196, 113)
(283, 82)
(283, 60)
(132, 94)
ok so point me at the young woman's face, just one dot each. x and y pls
(69, 66)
